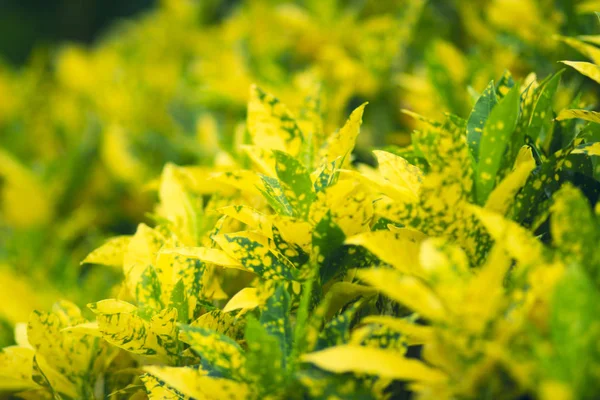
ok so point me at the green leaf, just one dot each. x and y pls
(479, 115)
(574, 333)
(275, 318)
(541, 123)
(496, 135)
(337, 331)
(575, 231)
(179, 301)
(327, 240)
(264, 358)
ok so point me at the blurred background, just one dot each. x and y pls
(96, 96)
(29, 24)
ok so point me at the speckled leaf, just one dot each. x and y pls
(478, 118)
(111, 253)
(157, 389)
(398, 171)
(327, 239)
(518, 241)
(256, 256)
(63, 359)
(179, 301)
(249, 216)
(591, 116)
(220, 352)
(274, 193)
(531, 202)
(196, 384)
(264, 359)
(541, 122)
(504, 84)
(347, 202)
(337, 330)
(271, 124)
(496, 134)
(341, 143)
(141, 253)
(503, 195)
(326, 175)
(220, 322)
(121, 327)
(296, 182)
(148, 293)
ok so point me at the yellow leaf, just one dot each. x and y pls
(141, 254)
(249, 216)
(392, 248)
(342, 293)
(588, 50)
(588, 69)
(399, 171)
(271, 124)
(504, 193)
(518, 241)
(349, 205)
(406, 290)
(205, 254)
(591, 116)
(111, 253)
(16, 365)
(418, 334)
(341, 143)
(246, 298)
(218, 321)
(372, 361)
(195, 383)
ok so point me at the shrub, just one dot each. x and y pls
(462, 265)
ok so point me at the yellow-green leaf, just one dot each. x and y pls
(111, 253)
(379, 362)
(588, 69)
(591, 116)
(406, 290)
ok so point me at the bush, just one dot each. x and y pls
(283, 261)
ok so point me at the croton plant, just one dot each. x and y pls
(462, 266)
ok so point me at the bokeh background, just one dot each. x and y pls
(97, 96)
(29, 24)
